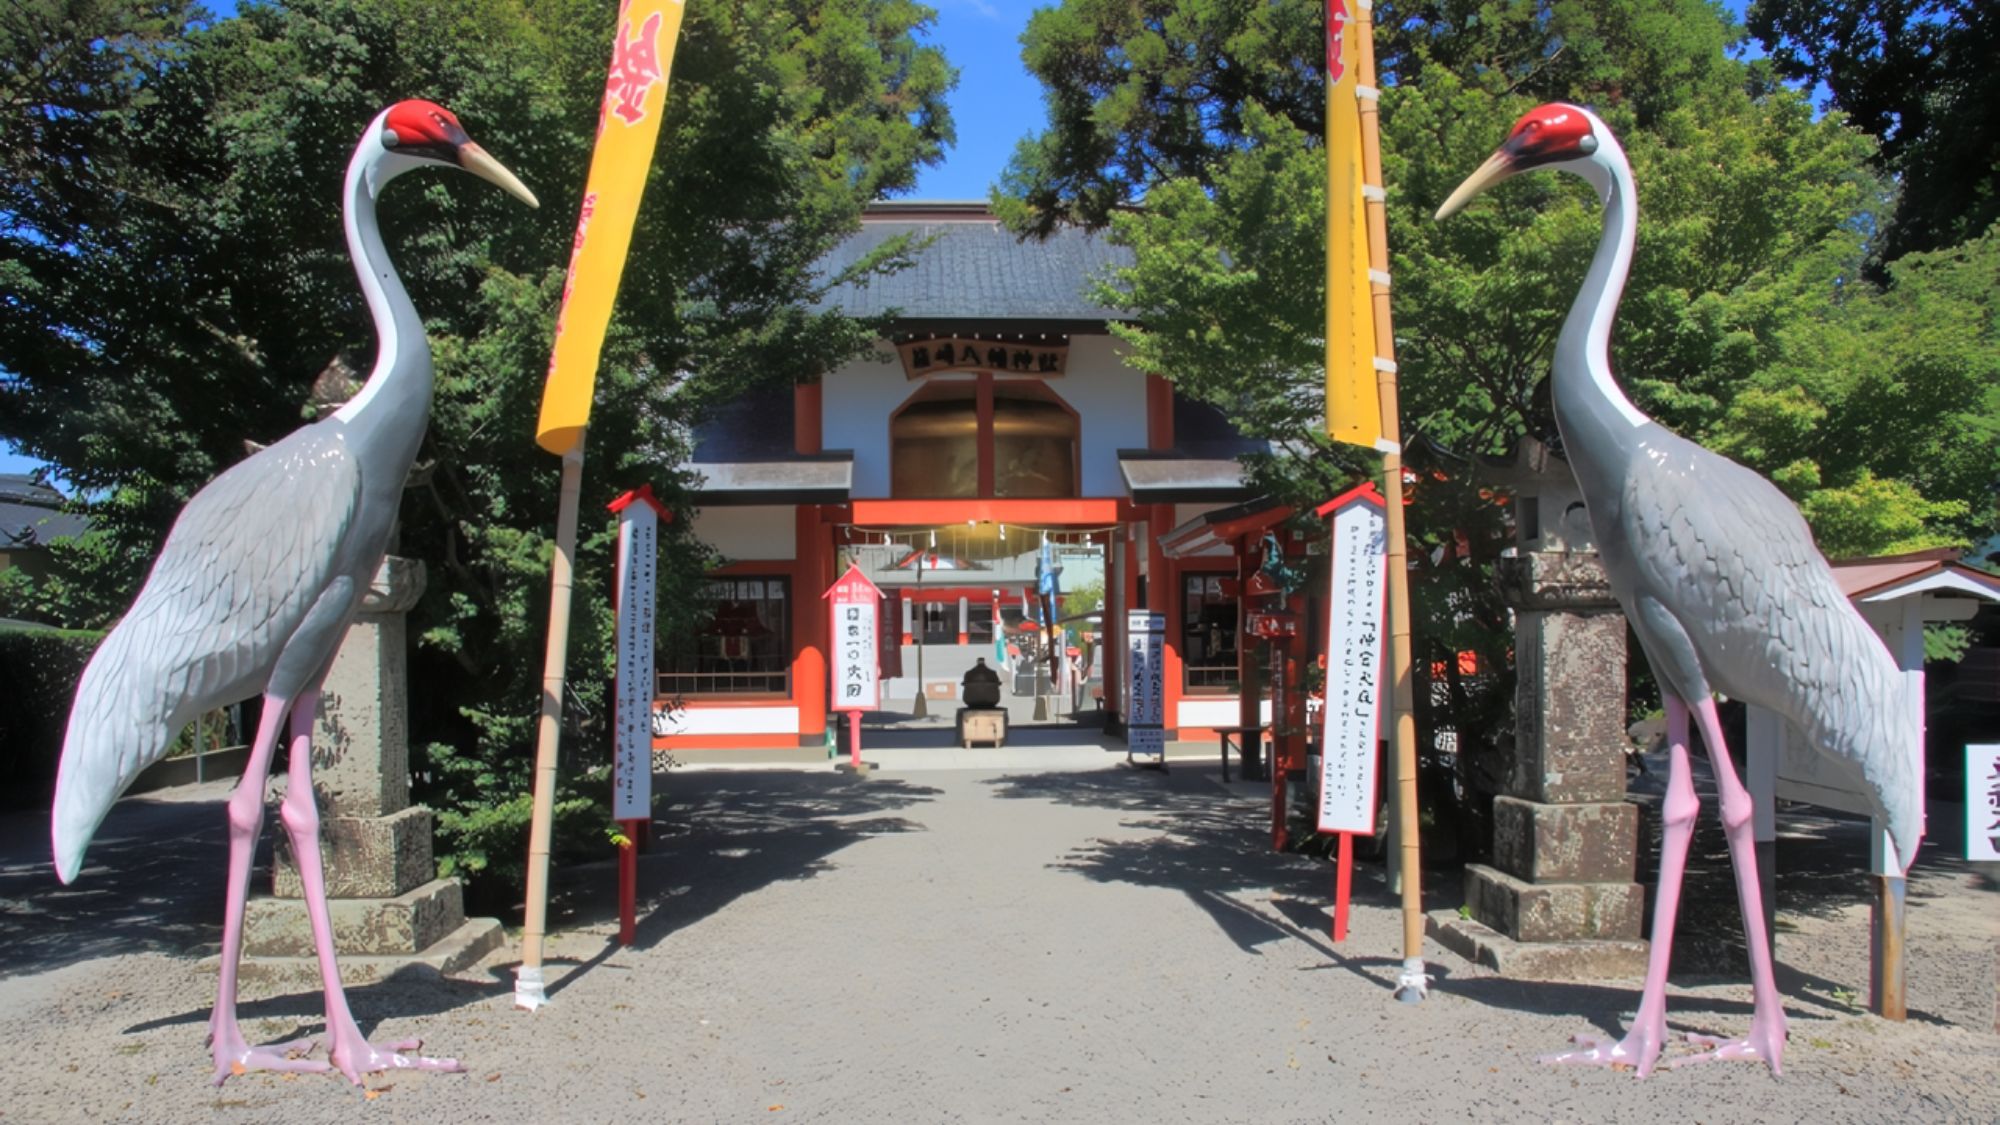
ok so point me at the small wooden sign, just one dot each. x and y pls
(1356, 632)
(1145, 685)
(1982, 803)
(1273, 626)
(634, 717)
(955, 353)
(854, 605)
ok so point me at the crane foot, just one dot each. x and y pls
(353, 1055)
(1762, 1043)
(1637, 1052)
(234, 1056)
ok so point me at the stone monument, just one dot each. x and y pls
(388, 908)
(1559, 900)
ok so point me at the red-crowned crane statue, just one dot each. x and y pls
(1719, 577)
(252, 593)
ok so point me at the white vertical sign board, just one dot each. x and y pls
(1356, 608)
(632, 769)
(1982, 803)
(1146, 696)
(857, 617)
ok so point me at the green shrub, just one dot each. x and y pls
(38, 673)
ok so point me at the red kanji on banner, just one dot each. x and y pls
(635, 66)
(1336, 30)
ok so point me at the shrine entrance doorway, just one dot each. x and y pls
(1028, 601)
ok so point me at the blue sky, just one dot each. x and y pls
(996, 104)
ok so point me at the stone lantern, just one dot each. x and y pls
(1559, 900)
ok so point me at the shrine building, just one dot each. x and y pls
(997, 425)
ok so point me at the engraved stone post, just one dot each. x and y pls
(1559, 900)
(388, 909)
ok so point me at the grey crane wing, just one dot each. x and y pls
(245, 561)
(242, 565)
(1732, 560)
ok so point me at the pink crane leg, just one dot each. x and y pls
(349, 1050)
(234, 1055)
(1767, 1020)
(1641, 1046)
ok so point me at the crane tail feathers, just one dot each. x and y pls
(117, 728)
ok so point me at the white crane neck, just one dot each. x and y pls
(1583, 378)
(389, 306)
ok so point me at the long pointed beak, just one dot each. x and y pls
(477, 161)
(1498, 167)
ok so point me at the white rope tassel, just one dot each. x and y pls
(1413, 984)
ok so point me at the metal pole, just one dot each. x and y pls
(528, 984)
(1414, 982)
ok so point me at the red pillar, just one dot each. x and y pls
(1250, 692)
(1159, 413)
(983, 405)
(807, 399)
(811, 575)
(1111, 635)
(1134, 551)
(1163, 595)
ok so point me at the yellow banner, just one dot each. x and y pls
(628, 124)
(1353, 407)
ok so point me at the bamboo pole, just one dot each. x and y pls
(528, 985)
(1414, 981)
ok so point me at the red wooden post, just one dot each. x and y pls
(854, 739)
(1343, 880)
(628, 882)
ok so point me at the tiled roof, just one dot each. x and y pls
(30, 515)
(1862, 578)
(969, 267)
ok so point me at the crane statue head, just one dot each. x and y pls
(1559, 135)
(414, 133)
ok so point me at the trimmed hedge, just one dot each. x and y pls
(38, 673)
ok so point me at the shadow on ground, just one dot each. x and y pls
(152, 881)
(720, 835)
(1213, 846)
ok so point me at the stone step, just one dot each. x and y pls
(399, 926)
(1581, 843)
(1532, 912)
(455, 952)
(1536, 960)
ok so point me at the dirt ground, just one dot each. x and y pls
(1071, 940)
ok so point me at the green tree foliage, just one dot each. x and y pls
(41, 667)
(1920, 76)
(1881, 412)
(1141, 92)
(1753, 222)
(1746, 324)
(174, 286)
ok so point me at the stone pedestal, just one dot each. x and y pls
(387, 908)
(1559, 900)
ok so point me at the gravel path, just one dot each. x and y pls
(1098, 945)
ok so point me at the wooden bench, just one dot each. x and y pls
(1250, 746)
